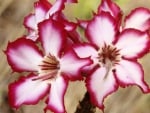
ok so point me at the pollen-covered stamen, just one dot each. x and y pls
(48, 68)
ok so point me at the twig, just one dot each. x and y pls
(85, 105)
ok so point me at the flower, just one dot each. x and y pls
(43, 10)
(114, 55)
(50, 70)
(31, 21)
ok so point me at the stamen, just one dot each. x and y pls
(46, 76)
(107, 54)
(48, 68)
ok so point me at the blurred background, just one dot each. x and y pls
(12, 13)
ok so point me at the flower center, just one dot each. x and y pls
(48, 68)
(109, 55)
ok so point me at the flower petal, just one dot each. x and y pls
(83, 23)
(52, 36)
(56, 96)
(57, 6)
(85, 50)
(27, 91)
(138, 19)
(32, 35)
(111, 7)
(131, 73)
(69, 27)
(23, 55)
(100, 85)
(133, 43)
(41, 9)
(101, 29)
(30, 22)
(71, 65)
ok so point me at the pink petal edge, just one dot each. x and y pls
(41, 8)
(52, 36)
(133, 43)
(71, 65)
(111, 7)
(130, 72)
(26, 91)
(55, 101)
(139, 19)
(23, 55)
(102, 29)
(98, 86)
(30, 22)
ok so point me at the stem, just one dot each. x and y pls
(85, 106)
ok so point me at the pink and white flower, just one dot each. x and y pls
(115, 57)
(31, 21)
(50, 69)
(43, 9)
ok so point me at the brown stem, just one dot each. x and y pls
(85, 105)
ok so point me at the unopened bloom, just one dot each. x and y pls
(115, 57)
(50, 69)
